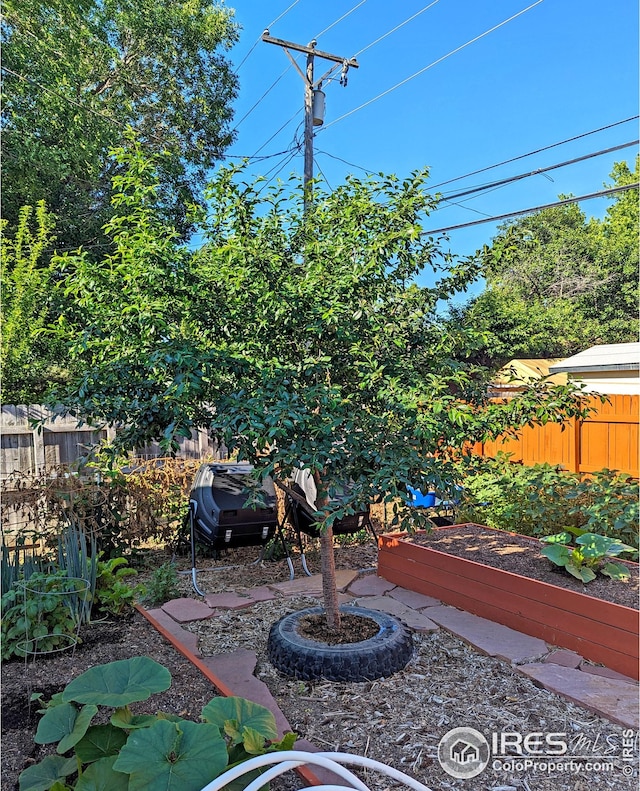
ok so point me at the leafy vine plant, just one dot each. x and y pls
(141, 752)
(583, 554)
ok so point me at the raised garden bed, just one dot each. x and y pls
(601, 631)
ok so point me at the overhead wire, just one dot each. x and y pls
(264, 95)
(532, 210)
(351, 164)
(66, 99)
(538, 171)
(259, 39)
(282, 166)
(397, 27)
(322, 173)
(431, 65)
(537, 151)
(344, 16)
(277, 132)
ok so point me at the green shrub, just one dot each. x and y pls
(112, 595)
(160, 752)
(542, 500)
(162, 585)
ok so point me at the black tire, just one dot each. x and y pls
(378, 657)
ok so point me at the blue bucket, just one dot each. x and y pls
(419, 500)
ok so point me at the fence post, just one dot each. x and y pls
(577, 432)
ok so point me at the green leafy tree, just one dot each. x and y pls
(297, 337)
(31, 358)
(558, 283)
(77, 73)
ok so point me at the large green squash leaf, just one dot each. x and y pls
(43, 775)
(232, 714)
(56, 724)
(123, 718)
(557, 554)
(100, 741)
(64, 724)
(173, 756)
(119, 683)
(101, 776)
(616, 571)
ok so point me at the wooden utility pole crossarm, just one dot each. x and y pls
(309, 50)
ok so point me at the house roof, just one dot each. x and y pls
(520, 371)
(606, 357)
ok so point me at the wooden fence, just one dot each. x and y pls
(61, 441)
(607, 438)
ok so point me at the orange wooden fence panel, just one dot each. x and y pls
(607, 438)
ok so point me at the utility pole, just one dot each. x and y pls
(313, 97)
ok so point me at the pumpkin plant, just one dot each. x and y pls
(583, 554)
(134, 752)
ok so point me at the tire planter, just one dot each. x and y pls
(378, 657)
(598, 630)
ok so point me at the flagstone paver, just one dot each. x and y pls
(263, 593)
(489, 637)
(604, 696)
(236, 670)
(312, 586)
(383, 604)
(228, 601)
(187, 639)
(187, 610)
(605, 672)
(412, 618)
(564, 658)
(417, 601)
(370, 585)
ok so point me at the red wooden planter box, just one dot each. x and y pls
(598, 630)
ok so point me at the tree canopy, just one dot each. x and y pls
(78, 73)
(557, 283)
(296, 337)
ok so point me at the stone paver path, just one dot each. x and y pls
(598, 689)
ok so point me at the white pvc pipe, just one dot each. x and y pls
(281, 768)
(293, 758)
(289, 759)
(369, 763)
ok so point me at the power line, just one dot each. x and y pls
(351, 164)
(66, 98)
(259, 39)
(536, 151)
(431, 65)
(344, 16)
(326, 180)
(497, 164)
(566, 201)
(264, 95)
(538, 171)
(286, 161)
(286, 123)
(397, 27)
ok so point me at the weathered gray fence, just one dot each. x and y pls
(59, 440)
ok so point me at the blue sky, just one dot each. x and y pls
(556, 71)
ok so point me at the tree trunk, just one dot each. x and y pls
(329, 586)
(328, 566)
